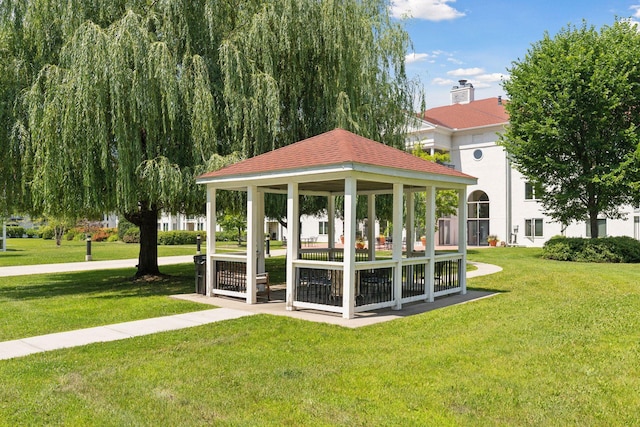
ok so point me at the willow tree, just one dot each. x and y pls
(300, 68)
(118, 105)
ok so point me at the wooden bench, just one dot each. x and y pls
(262, 284)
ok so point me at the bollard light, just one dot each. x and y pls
(88, 256)
(198, 243)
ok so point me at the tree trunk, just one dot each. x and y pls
(147, 221)
(593, 225)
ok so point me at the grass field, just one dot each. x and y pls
(40, 251)
(559, 345)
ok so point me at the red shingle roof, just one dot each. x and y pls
(335, 147)
(484, 112)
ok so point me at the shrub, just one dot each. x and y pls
(180, 237)
(32, 232)
(103, 234)
(47, 232)
(15, 231)
(229, 236)
(123, 226)
(606, 249)
(132, 235)
(113, 238)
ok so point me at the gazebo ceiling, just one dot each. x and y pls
(335, 186)
(321, 163)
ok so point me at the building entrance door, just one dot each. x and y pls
(478, 219)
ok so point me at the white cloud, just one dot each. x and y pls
(489, 78)
(465, 72)
(632, 21)
(431, 10)
(416, 57)
(636, 9)
(439, 81)
(455, 60)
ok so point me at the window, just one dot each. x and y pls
(533, 227)
(602, 228)
(165, 226)
(323, 227)
(201, 226)
(532, 191)
(477, 154)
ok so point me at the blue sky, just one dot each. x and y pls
(477, 40)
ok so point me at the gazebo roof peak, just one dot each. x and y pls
(335, 147)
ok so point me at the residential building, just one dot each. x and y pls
(503, 202)
(171, 222)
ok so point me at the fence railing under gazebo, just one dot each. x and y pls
(319, 279)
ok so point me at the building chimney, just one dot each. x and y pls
(462, 94)
(499, 99)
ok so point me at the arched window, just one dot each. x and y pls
(477, 218)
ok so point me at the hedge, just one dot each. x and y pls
(180, 237)
(132, 235)
(15, 231)
(606, 249)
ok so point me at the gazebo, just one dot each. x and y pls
(343, 280)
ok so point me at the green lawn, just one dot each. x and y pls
(47, 303)
(40, 251)
(559, 345)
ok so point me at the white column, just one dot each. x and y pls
(293, 224)
(430, 249)
(211, 238)
(371, 230)
(396, 253)
(252, 247)
(410, 226)
(349, 263)
(462, 237)
(260, 230)
(331, 218)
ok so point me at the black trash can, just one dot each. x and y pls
(200, 262)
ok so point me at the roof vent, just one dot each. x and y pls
(462, 82)
(499, 99)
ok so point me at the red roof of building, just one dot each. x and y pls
(335, 147)
(484, 112)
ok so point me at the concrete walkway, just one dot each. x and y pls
(229, 309)
(26, 346)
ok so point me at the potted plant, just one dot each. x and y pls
(423, 240)
(492, 239)
(359, 243)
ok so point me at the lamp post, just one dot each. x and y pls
(515, 234)
(268, 240)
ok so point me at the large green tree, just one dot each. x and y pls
(573, 107)
(117, 105)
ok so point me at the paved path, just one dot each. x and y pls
(26, 346)
(231, 310)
